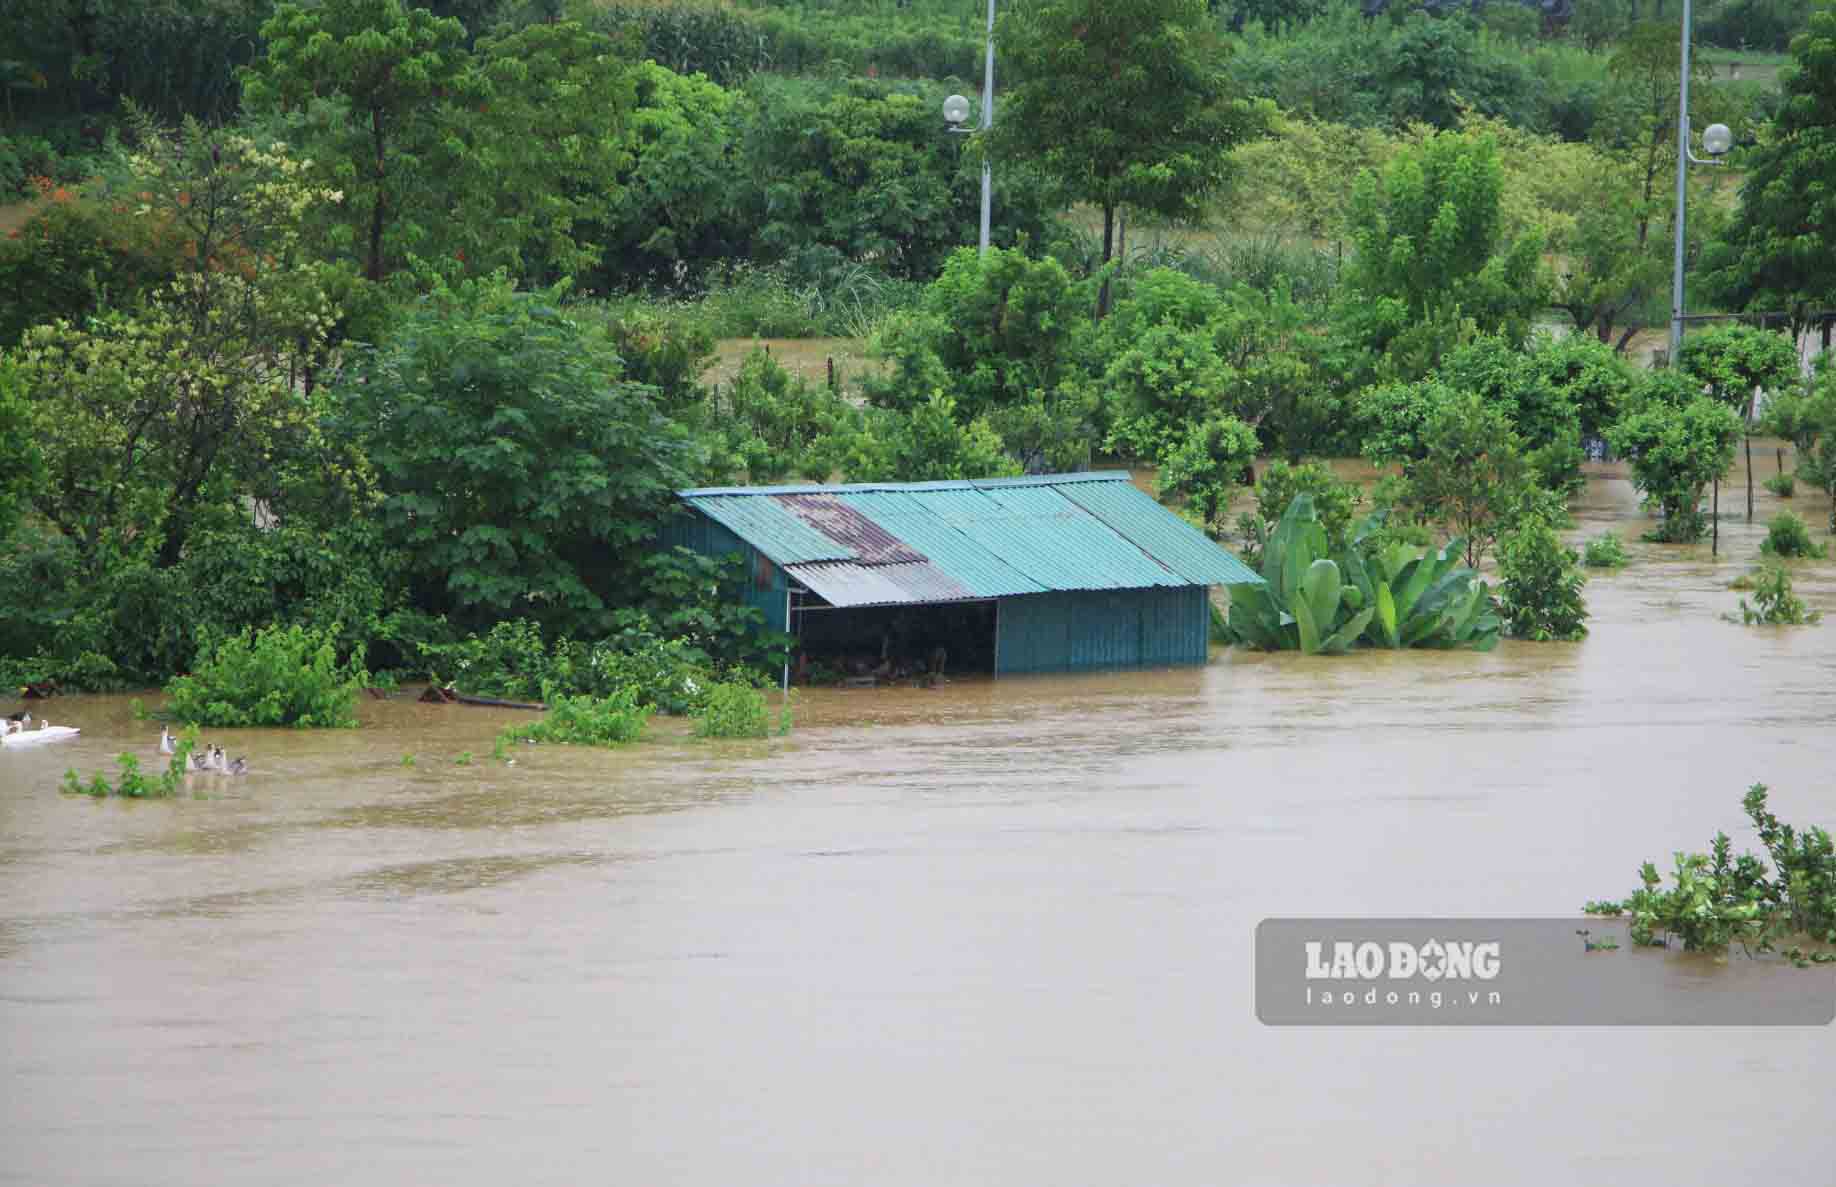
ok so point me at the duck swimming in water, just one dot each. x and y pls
(165, 741)
(239, 767)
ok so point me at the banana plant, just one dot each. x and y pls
(1382, 595)
(1303, 602)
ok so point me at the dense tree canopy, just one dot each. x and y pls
(1780, 252)
(511, 462)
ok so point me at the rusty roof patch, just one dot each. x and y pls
(870, 543)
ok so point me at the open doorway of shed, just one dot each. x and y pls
(892, 642)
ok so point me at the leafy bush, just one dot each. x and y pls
(1782, 485)
(733, 711)
(585, 721)
(1774, 604)
(770, 421)
(280, 676)
(1541, 587)
(1788, 535)
(1605, 551)
(1203, 467)
(1718, 899)
(1334, 503)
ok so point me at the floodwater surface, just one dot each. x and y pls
(990, 933)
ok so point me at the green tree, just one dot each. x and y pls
(1473, 477)
(75, 256)
(1546, 418)
(1122, 102)
(531, 156)
(1780, 252)
(1638, 122)
(1593, 377)
(1611, 265)
(386, 67)
(1428, 240)
(1001, 335)
(858, 171)
(674, 206)
(148, 417)
(517, 471)
(1540, 593)
(1806, 417)
(1735, 363)
(1204, 466)
(1676, 450)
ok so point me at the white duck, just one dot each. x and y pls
(165, 741)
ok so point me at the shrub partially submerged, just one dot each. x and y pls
(584, 721)
(279, 676)
(1788, 535)
(733, 711)
(1605, 551)
(1774, 604)
(1718, 899)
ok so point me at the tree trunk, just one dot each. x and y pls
(1109, 247)
(374, 269)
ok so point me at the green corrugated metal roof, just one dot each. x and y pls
(1057, 543)
(908, 518)
(995, 538)
(772, 528)
(1167, 538)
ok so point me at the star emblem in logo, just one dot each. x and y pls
(1434, 960)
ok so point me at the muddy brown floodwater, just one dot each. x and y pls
(994, 933)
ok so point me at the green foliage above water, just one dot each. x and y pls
(1605, 551)
(131, 784)
(280, 676)
(1676, 452)
(1717, 899)
(611, 720)
(1788, 535)
(1540, 593)
(1373, 594)
(1774, 603)
(733, 711)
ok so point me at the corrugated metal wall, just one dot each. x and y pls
(1084, 631)
(768, 587)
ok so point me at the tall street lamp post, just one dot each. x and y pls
(956, 112)
(1716, 140)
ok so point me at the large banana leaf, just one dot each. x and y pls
(1386, 616)
(1309, 629)
(1340, 641)
(1320, 592)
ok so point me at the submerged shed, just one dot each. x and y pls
(1055, 573)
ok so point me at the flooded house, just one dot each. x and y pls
(1050, 573)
